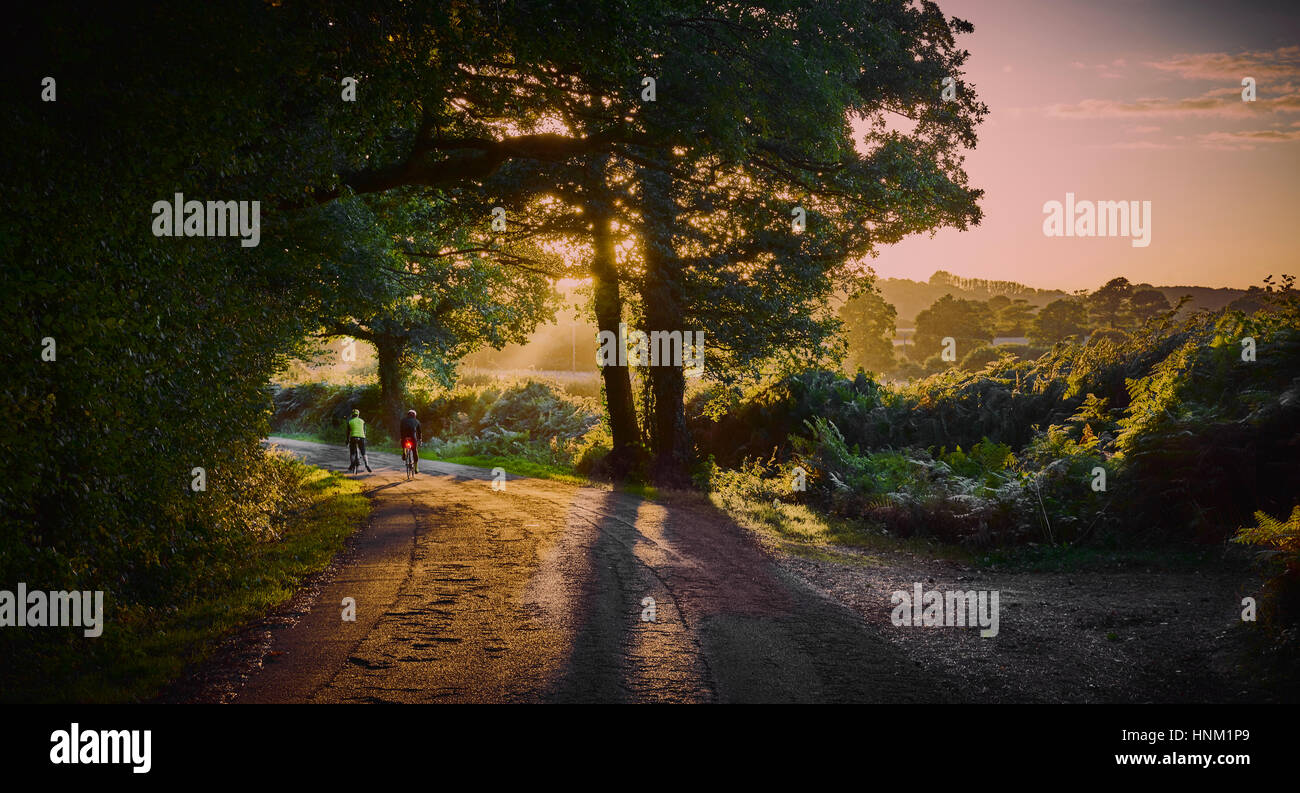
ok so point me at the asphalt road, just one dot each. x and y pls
(537, 593)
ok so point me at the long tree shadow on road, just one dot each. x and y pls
(678, 603)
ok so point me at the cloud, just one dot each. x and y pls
(1276, 71)
(1281, 63)
(1251, 136)
(1138, 144)
(1214, 103)
(1107, 71)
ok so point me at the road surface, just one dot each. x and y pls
(538, 593)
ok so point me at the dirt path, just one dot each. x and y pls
(536, 592)
(1127, 633)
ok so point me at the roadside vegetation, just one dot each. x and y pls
(306, 515)
(1168, 432)
(528, 427)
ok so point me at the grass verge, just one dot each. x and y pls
(514, 465)
(142, 649)
(799, 530)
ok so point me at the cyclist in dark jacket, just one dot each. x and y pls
(411, 429)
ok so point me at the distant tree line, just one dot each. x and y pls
(871, 324)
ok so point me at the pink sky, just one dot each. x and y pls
(1137, 100)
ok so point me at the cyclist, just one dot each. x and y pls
(357, 440)
(411, 429)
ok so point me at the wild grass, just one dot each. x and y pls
(143, 648)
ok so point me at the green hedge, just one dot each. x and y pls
(527, 419)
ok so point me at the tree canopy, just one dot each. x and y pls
(968, 322)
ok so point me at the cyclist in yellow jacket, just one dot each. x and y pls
(357, 441)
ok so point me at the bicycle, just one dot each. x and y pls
(408, 457)
(354, 463)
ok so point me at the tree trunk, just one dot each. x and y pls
(394, 363)
(609, 313)
(662, 300)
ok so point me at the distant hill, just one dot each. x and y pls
(911, 297)
(1202, 296)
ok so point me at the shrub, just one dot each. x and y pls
(1192, 438)
(767, 421)
(1279, 606)
(980, 357)
(956, 497)
(1278, 542)
(530, 419)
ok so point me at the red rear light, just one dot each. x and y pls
(408, 443)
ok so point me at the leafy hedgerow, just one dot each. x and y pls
(1170, 432)
(1278, 542)
(530, 420)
